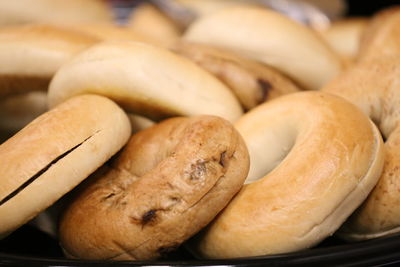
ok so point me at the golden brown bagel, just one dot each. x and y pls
(31, 54)
(314, 158)
(271, 38)
(146, 80)
(372, 84)
(374, 87)
(54, 153)
(54, 11)
(168, 182)
(251, 81)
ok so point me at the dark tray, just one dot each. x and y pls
(30, 247)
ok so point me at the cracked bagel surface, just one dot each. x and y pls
(54, 153)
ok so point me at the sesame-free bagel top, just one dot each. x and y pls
(54, 153)
(144, 79)
(314, 159)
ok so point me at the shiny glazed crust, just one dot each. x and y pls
(169, 182)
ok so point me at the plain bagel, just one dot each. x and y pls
(145, 80)
(373, 85)
(54, 153)
(54, 11)
(31, 54)
(167, 183)
(322, 157)
(272, 38)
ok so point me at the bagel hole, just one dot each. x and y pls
(277, 143)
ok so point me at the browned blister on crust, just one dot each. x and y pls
(169, 182)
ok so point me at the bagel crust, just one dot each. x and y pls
(54, 11)
(322, 157)
(54, 153)
(168, 183)
(373, 86)
(31, 54)
(251, 81)
(146, 80)
(272, 38)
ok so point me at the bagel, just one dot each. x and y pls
(271, 38)
(54, 11)
(202, 8)
(381, 36)
(322, 157)
(163, 29)
(167, 183)
(145, 80)
(19, 110)
(251, 81)
(54, 153)
(109, 32)
(374, 87)
(344, 36)
(31, 54)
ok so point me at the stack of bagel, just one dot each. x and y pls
(243, 133)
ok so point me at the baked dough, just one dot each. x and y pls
(54, 11)
(272, 38)
(54, 153)
(168, 183)
(145, 80)
(31, 54)
(252, 82)
(314, 158)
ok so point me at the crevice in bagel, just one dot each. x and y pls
(42, 171)
(11, 84)
(265, 87)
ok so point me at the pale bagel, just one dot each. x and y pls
(110, 32)
(145, 80)
(31, 54)
(206, 7)
(252, 82)
(314, 159)
(150, 21)
(382, 35)
(374, 87)
(54, 11)
(54, 153)
(167, 183)
(271, 38)
(344, 36)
